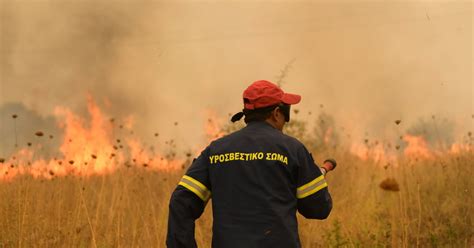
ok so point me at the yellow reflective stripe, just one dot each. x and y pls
(195, 191)
(316, 189)
(196, 182)
(196, 187)
(311, 183)
(311, 187)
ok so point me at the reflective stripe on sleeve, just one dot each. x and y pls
(196, 187)
(311, 187)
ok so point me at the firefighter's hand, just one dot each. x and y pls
(329, 164)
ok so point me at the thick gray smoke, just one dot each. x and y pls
(368, 63)
(55, 53)
(19, 131)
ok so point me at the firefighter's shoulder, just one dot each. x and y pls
(225, 139)
(291, 141)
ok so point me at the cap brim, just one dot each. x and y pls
(291, 98)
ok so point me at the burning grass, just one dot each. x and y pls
(432, 207)
(89, 148)
(111, 191)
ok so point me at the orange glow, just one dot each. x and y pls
(213, 126)
(328, 135)
(87, 149)
(457, 148)
(80, 143)
(143, 158)
(98, 146)
(376, 153)
(417, 147)
(129, 122)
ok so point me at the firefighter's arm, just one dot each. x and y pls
(316, 206)
(188, 202)
(314, 200)
(185, 207)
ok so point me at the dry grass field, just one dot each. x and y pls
(423, 198)
(433, 208)
(386, 86)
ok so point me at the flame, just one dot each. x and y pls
(80, 142)
(417, 147)
(213, 126)
(328, 135)
(458, 148)
(143, 158)
(376, 153)
(360, 151)
(87, 149)
(129, 122)
(95, 146)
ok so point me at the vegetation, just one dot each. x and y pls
(431, 206)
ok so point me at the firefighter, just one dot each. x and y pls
(257, 177)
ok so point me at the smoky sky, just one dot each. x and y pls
(367, 62)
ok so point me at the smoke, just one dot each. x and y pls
(20, 130)
(54, 53)
(368, 63)
(434, 131)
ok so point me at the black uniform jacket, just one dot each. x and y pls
(257, 178)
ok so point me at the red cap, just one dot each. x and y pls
(263, 93)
